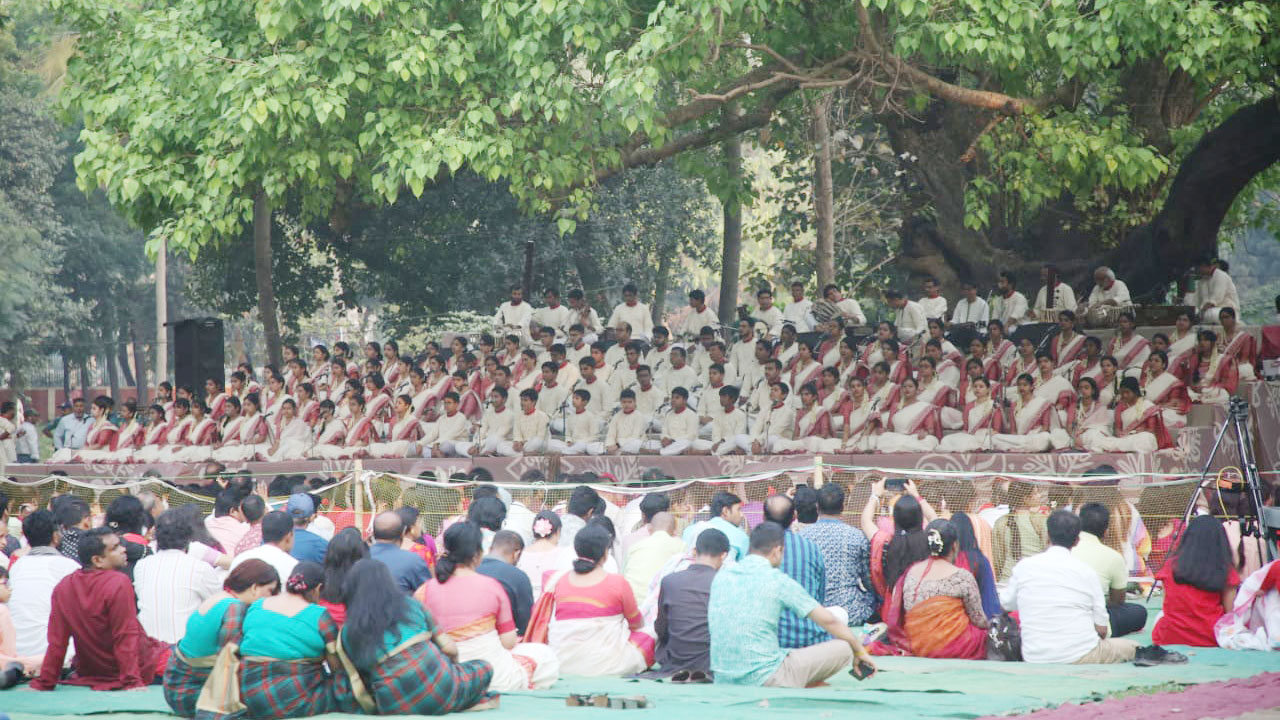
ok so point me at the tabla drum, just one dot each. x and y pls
(824, 310)
(1047, 315)
(1104, 316)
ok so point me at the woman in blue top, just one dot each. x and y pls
(971, 558)
(194, 655)
(285, 640)
(397, 661)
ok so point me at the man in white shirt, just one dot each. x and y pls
(515, 316)
(716, 355)
(27, 444)
(585, 315)
(1060, 607)
(911, 320)
(1107, 291)
(1064, 298)
(699, 316)
(495, 427)
(171, 584)
(679, 374)
(554, 314)
(531, 430)
(970, 308)
(633, 312)
(658, 356)
(934, 305)
(728, 426)
(8, 433)
(627, 428)
(776, 421)
(798, 312)
(32, 580)
(600, 403)
(680, 426)
(1009, 305)
(768, 313)
(743, 354)
(277, 541)
(1214, 290)
(848, 307)
(582, 430)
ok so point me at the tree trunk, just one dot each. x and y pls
(66, 378)
(140, 366)
(1208, 181)
(823, 195)
(526, 278)
(122, 358)
(112, 378)
(660, 284)
(267, 310)
(84, 380)
(731, 253)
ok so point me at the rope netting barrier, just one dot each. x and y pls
(1145, 508)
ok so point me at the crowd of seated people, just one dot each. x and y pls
(550, 382)
(284, 613)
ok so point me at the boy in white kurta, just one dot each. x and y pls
(728, 425)
(582, 429)
(495, 427)
(775, 422)
(627, 428)
(442, 437)
(531, 430)
(680, 426)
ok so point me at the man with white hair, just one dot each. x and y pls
(1108, 292)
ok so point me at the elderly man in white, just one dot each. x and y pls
(1214, 290)
(1108, 292)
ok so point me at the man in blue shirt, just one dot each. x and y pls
(726, 516)
(801, 561)
(500, 564)
(72, 429)
(408, 569)
(747, 600)
(307, 546)
(847, 555)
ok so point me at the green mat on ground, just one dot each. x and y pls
(906, 688)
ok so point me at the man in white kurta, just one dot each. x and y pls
(1064, 298)
(514, 317)
(911, 320)
(1009, 306)
(798, 312)
(531, 430)
(775, 422)
(495, 427)
(582, 430)
(679, 427)
(743, 353)
(699, 316)
(1108, 290)
(729, 425)
(442, 437)
(768, 313)
(678, 374)
(1214, 290)
(848, 307)
(584, 314)
(554, 314)
(633, 312)
(627, 428)
(933, 303)
(970, 308)
(599, 402)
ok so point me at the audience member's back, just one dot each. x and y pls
(32, 580)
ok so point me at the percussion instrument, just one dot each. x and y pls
(1047, 315)
(859, 333)
(1104, 316)
(824, 310)
(1160, 315)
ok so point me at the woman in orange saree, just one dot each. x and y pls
(936, 608)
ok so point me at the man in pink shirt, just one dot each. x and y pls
(227, 524)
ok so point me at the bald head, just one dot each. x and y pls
(780, 509)
(664, 522)
(388, 527)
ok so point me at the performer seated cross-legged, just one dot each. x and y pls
(1210, 376)
(938, 331)
(912, 427)
(359, 433)
(1165, 390)
(929, 387)
(775, 421)
(1033, 419)
(597, 388)
(948, 369)
(178, 436)
(402, 439)
(983, 419)
(531, 429)
(728, 426)
(812, 431)
(679, 427)
(329, 430)
(250, 440)
(495, 430)
(627, 429)
(128, 438)
(834, 397)
(1109, 381)
(1093, 418)
(1238, 344)
(858, 435)
(153, 437)
(999, 348)
(1139, 424)
(100, 440)
(293, 439)
(443, 437)
(953, 417)
(582, 429)
(1054, 388)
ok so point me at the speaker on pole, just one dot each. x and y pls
(198, 353)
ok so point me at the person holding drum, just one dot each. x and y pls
(1108, 297)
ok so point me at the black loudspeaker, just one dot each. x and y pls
(198, 353)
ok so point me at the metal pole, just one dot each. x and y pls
(162, 314)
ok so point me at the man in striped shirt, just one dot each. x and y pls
(801, 561)
(171, 584)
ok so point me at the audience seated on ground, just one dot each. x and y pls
(747, 602)
(1061, 612)
(1113, 572)
(682, 626)
(1200, 583)
(846, 554)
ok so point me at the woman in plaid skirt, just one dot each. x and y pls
(397, 661)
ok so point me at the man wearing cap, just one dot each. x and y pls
(307, 546)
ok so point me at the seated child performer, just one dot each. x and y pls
(775, 422)
(591, 383)
(627, 428)
(679, 427)
(531, 430)
(728, 426)
(582, 429)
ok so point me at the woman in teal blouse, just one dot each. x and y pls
(193, 656)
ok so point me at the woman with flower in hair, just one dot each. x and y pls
(545, 554)
(936, 607)
(475, 612)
